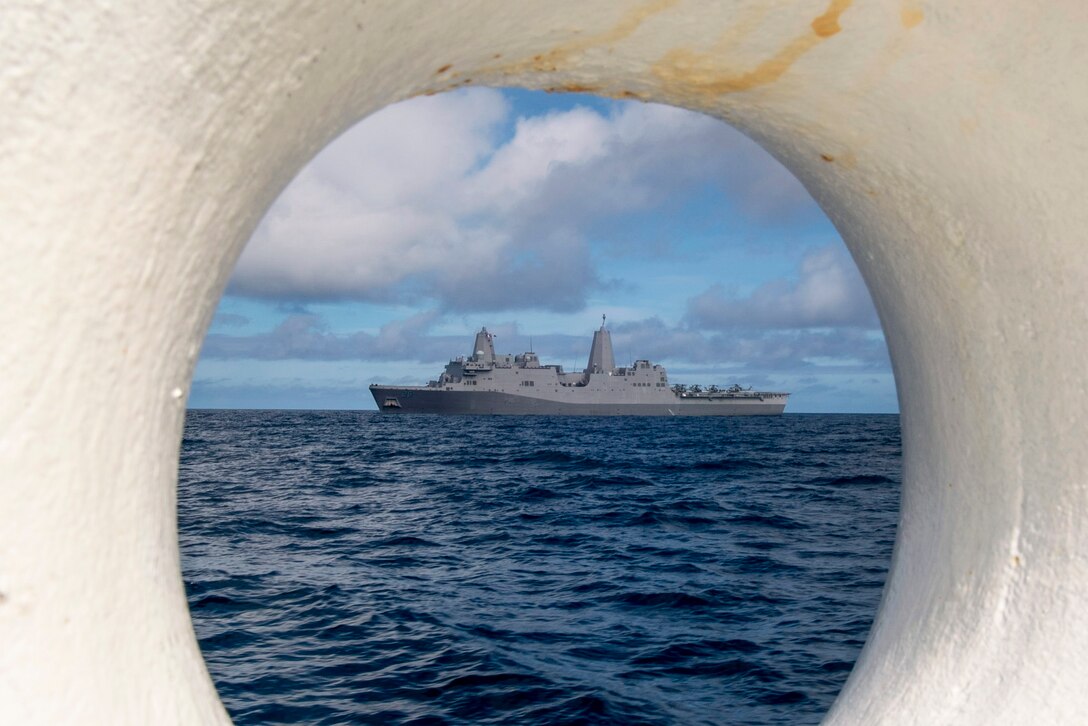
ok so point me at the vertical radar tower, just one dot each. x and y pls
(483, 350)
(601, 359)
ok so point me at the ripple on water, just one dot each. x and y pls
(351, 567)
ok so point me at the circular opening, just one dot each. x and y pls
(351, 566)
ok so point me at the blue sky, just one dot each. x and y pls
(534, 214)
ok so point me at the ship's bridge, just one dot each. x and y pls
(527, 360)
(643, 372)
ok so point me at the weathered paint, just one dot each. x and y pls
(704, 73)
(139, 145)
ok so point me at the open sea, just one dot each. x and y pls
(348, 567)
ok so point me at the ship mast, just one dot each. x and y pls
(601, 359)
(483, 349)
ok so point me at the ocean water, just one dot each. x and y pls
(348, 567)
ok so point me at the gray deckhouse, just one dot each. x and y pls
(486, 383)
(514, 373)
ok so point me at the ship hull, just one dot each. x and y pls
(422, 399)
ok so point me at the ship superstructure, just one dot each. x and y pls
(486, 383)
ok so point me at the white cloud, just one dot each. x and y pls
(540, 147)
(424, 202)
(373, 208)
(753, 350)
(829, 292)
(304, 337)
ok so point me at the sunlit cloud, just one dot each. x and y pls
(442, 213)
(829, 292)
(426, 203)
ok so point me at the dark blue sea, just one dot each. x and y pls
(348, 567)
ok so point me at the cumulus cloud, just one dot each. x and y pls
(306, 337)
(441, 201)
(374, 209)
(828, 292)
(753, 350)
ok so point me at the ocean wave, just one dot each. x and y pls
(346, 567)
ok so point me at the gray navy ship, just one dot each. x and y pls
(518, 385)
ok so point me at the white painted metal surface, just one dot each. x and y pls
(139, 145)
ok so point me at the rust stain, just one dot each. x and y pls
(443, 69)
(846, 159)
(577, 88)
(828, 24)
(626, 27)
(911, 15)
(702, 72)
(584, 88)
(552, 60)
(605, 93)
(628, 95)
